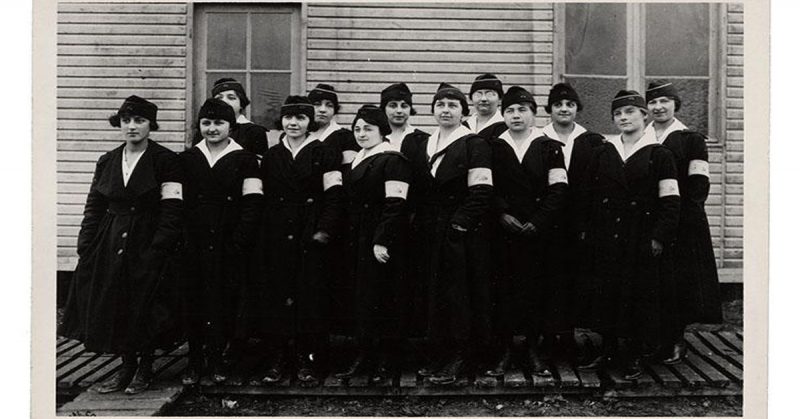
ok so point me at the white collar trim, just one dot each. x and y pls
(676, 125)
(472, 121)
(436, 144)
(363, 154)
(648, 137)
(333, 126)
(524, 146)
(550, 131)
(397, 141)
(203, 147)
(241, 119)
(309, 139)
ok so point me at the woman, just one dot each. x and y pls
(377, 186)
(452, 187)
(251, 136)
(629, 216)
(303, 204)
(697, 283)
(397, 103)
(326, 106)
(130, 230)
(530, 190)
(222, 196)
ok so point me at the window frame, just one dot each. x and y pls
(636, 44)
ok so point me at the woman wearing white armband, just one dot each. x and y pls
(697, 281)
(629, 215)
(376, 183)
(129, 234)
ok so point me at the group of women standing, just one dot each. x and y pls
(483, 230)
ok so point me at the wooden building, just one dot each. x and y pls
(171, 53)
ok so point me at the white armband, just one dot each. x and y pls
(479, 176)
(171, 190)
(252, 185)
(330, 179)
(668, 187)
(699, 167)
(396, 189)
(348, 156)
(557, 175)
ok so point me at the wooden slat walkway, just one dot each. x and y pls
(714, 366)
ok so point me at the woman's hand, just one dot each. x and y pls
(656, 247)
(381, 253)
(321, 237)
(528, 229)
(510, 223)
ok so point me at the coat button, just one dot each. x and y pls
(124, 234)
(310, 200)
(289, 301)
(210, 247)
(538, 199)
(280, 199)
(119, 252)
(133, 209)
(366, 205)
(229, 198)
(616, 236)
(290, 237)
(633, 203)
(605, 200)
(200, 196)
(212, 231)
(618, 219)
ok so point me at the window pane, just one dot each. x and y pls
(677, 39)
(694, 102)
(596, 96)
(595, 38)
(227, 42)
(269, 92)
(272, 41)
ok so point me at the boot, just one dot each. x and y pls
(308, 370)
(537, 363)
(216, 366)
(192, 373)
(633, 368)
(501, 362)
(677, 354)
(144, 376)
(604, 358)
(355, 367)
(276, 367)
(122, 378)
(450, 371)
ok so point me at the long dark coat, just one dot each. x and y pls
(294, 273)
(342, 140)
(529, 300)
(118, 295)
(221, 225)
(632, 292)
(381, 289)
(453, 268)
(695, 265)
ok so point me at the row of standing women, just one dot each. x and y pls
(484, 230)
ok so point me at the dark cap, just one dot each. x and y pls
(226, 84)
(217, 109)
(517, 95)
(136, 106)
(659, 88)
(397, 91)
(448, 91)
(487, 81)
(562, 91)
(373, 115)
(628, 98)
(324, 91)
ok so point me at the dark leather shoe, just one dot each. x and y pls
(219, 373)
(354, 368)
(677, 354)
(500, 364)
(118, 381)
(190, 376)
(450, 372)
(141, 381)
(432, 367)
(634, 369)
(384, 369)
(595, 363)
(308, 371)
(538, 366)
(275, 370)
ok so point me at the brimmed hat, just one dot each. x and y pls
(515, 95)
(448, 91)
(226, 84)
(136, 106)
(298, 105)
(373, 115)
(626, 98)
(487, 81)
(659, 88)
(217, 109)
(324, 91)
(559, 92)
(397, 91)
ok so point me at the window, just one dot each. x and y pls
(612, 46)
(255, 44)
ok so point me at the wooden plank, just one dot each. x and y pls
(361, 380)
(408, 377)
(69, 355)
(131, 62)
(543, 382)
(711, 374)
(725, 366)
(151, 19)
(76, 364)
(499, 26)
(442, 67)
(452, 6)
(717, 345)
(332, 382)
(514, 378)
(122, 8)
(152, 94)
(589, 379)
(66, 346)
(485, 381)
(121, 83)
(129, 50)
(68, 103)
(617, 378)
(102, 373)
(397, 13)
(731, 339)
(688, 375)
(107, 40)
(417, 45)
(103, 125)
(436, 35)
(566, 375)
(173, 371)
(453, 58)
(376, 81)
(75, 377)
(665, 376)
(120, 29)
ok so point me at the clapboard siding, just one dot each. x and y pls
(361, 48)
(107, 52)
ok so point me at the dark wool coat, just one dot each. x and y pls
(529, 300)
(381, 289)
(292, 283)
(220, 228)
(453, 268)
(342, 140)
(695, 264)
(493, 131)
(118, 295)
(631, 292)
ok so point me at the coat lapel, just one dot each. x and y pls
(143, 179)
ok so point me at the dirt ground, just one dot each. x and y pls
(195, 404)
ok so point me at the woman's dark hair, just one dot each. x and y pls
(312, 124)
(114, 120)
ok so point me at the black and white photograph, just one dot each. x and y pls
(401, 209)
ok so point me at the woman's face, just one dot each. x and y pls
(324, 111)
(447, 112)
(486, 101)
(231, 98)
(662, 109)
(295, 126)
(367, 135)
(398, 112)
(629, 118)
(519, 117)
(563, 112)
(214, 130)
(134, 128)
